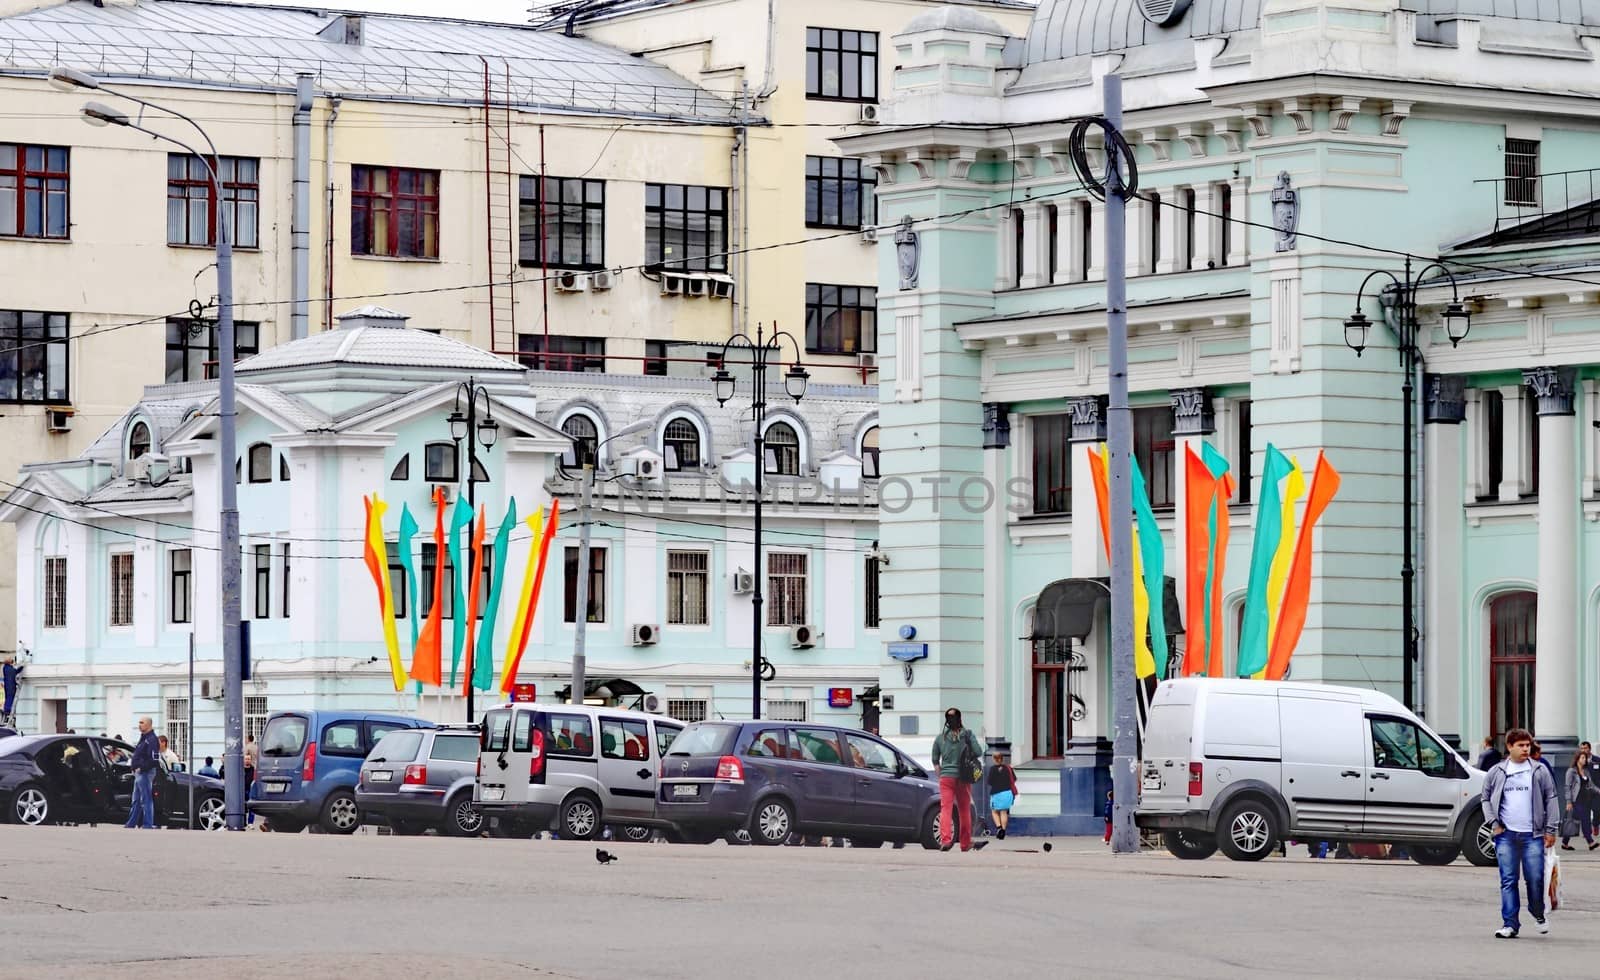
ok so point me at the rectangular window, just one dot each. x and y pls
(1225, 210)
(1085, 242)
(182, 585)
(1052, 463)
(1530, 436)
(839, 193)
(397, 580)
(285, 581)
(394, 211)
(688, 575)
(55, 593)
(177, 727)
(585, 354)
(655, 358)
(1246, 450)
(192, 207)
(1186, 198)
(1052, 226)
(122, 589)
(192, 348)
(686, 227)
(687, 709)
(1019, 247)
(841, 65)
(255, 715)
(263, 581)
(841, 319)
(870, 577)
(1494, 443)
(624, 739)
(1154, 205)
(597, 586)
(33, 357)
(789, 711)
(786, 590)
(441, 462)
(569, 735)
(1522, 173)
(1154, 449)
(447, 596)
(562, 223)
(33, 191)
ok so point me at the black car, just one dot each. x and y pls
(80, 779)
(775, 778)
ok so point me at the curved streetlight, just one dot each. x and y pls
(469, 426)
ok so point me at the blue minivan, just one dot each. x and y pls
(310, 761)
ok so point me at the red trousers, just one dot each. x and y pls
(953, 790)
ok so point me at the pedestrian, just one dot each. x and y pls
(1577, 793)
(1592, 814)
(955, 757)
(1488, 755)
(1111, 803)
(167, 755)
(146, 757)
(252, 757)
(210, 768)
(1002, 794)
(1519, 805)
(1537, 754)
(12, 675)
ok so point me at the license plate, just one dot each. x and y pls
(688, 790)
(492, 794)
(275, 787)
(1152, 781)
(382, 776)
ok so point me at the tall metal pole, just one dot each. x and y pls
(190, 739)
(232, 666)
(585, 489)
(758, 361)
(472, 507)
(1408, 571)
(1124, 836)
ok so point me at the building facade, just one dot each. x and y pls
(1284, 152)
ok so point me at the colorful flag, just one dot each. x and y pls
(1151, 566)
(412, 584)
(483, 656)
(1099, 467)
(1199, 489)
(426, 659)
(1297, 591)
(530, 593)
(377, 559)
(473, 595)
(460, 520)
(1217, 525)
(1269, 515)
(1294, 487)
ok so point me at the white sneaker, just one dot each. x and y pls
(1505, 932)
(1543, 925)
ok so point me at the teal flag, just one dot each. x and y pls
(460, 522)
(1152, 554)
(1217, 464)
(1269, 528)
(483, 657)
(413, 586)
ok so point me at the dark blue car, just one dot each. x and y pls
(309, 764)
(776, 778)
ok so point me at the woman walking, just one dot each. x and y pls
(955, 755)
(1577, 787)
(1002, 793)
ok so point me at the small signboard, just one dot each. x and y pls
(908, 651)
(841, 697)
(524, 692)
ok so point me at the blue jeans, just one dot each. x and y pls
(143, 812)
(1514, 849)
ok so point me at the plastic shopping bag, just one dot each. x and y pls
(1552, 880)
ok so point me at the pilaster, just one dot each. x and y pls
(1445, 410)
(1034, 245)
(1555, 699)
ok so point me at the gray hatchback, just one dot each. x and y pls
(421, 778)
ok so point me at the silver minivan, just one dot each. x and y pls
(574, 769)
(422, 778)
(1242, 764)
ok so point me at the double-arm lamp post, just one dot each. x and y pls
(1457, 322)
(763, 349)
(474, 428)
(100, 114)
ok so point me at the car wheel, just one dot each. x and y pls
(31, 806)
(772, 822)
(1247, 831)
(1443, 854)
(211, 813)
(930, 830)
(737, 837)
(637, 834)
(340, 815)
(465, 819)
(580, 818)
(1188, 845)
(1477, 843)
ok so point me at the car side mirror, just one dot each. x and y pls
(900, 769)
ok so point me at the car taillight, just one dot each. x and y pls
(308, 769)
(416, 776)
(479, 773)
(536, 755)
(729, 768)
(1197, 773)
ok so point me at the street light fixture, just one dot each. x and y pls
(66, 79)
(467, 425)
(100, 114)
(763, 349)
(1457, 323)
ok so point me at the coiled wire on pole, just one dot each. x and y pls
(1119, 159)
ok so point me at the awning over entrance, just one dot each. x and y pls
(1067, 608)
(610, 688)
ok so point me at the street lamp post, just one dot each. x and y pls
(1457, 322)
(468, 425)
(99, 114)
(762, 349)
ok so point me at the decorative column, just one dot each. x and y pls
(1034, 230)
(1070, 216)
(1443, 653)
(1239, 235)
(1171, 234)
(1088, 416)
(1207, 237)
(1096, 263)
(1193, 418)
(1555, 695)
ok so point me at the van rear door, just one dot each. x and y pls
(1167, 737)
(495, 774)
(1324, 765)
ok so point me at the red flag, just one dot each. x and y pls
(1201, 488)
(1297, 591)
(427, 665)
(472, 600)
(1102, 495)
(538, 583)
(1219, 548)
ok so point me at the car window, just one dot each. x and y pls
(376, 730)
(397, 747)
(773, 743)
(912, 767)
(818, 745)
(1431, 755)
(116, 755)
(665, 734)
(624, 739)
(571, 735)
(284, 735)
(1394, 744)
(522, 732)
(497, 729)
(703, 739)
(865, 753)
(454, 748)
(341, 738)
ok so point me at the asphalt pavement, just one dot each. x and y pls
(78, 902)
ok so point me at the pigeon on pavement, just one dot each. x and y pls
(603, 856)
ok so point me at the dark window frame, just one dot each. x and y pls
(682, 452)
(443, 475)
(786, 456)
(34, 346)
(655, 358)
(180, 586)
(683, 581)
(55, 592)
(325, 747)
(182, 334)
(847, 174)
(1494, 441)
(538, 221)
(788, 589)
(1156, 449)
(562, 352)
(585, 446)
(42, 182)
(259, 453)
(1050, 446)
(713, 220)
(284, 599)
(367, 203)
(871, 455)
(628, 728)
(826, 300)
(872, 586)
(239, 194)
(263, 581)
(402, 469)
(597, 585)
(397, 576)
(844, 49)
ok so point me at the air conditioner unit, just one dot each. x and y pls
(645, 634)
(448, 489)
(673, 283)
(571, 282)
(640, 468)
(602, 280)
(721, 286)
(138, 469)
(869, 234)
(653, 704)
(803, 637)
(869, 114)
(867, 360)
(210, 690)
(58, 419)
(696, 285)
(744, 582)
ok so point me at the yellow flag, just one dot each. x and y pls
(1144, 662)
(525, 599)
(378, 564)
(1294, 488)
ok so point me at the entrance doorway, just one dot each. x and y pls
(1513, 617)
(53, 716)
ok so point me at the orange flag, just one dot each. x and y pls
(1297, 591)
(1224, 490)
(1200, 490)
(427, 665)
(472, 600)
(509, 676)
(1102, 493)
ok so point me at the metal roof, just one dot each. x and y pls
(1072, 28)
(376, 347)
(401, 58)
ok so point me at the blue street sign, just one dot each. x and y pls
(908, 651)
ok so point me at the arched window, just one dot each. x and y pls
(138, 441)
(585, 440)
(441, 463)
(782, 449)
(261, 463)
(1512, 618)
(680, 445)
(869, 454)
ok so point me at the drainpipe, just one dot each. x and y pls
(300, 226)
(327, 230)
(737, 178)
(767, 85)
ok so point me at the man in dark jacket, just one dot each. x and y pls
(146, 757)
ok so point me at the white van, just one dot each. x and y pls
(572, 768)
(1242, 764)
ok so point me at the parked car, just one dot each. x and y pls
(422, 778)
(79, 779)
(778, 778)
(309, 764)
(575, 769)
(1242, 764)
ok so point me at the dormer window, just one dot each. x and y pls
(261, 463)
(138, 441)
(680, 445)
(782, 450)
(442, 463)
(585, 440)
(869, 454)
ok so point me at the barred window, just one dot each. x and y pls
(786, 591)
(255, 714)
(177, 727)
(122, 589)
(1522, 173)
(687, 709)
(55, 593)
(786, 710)
(687, 580)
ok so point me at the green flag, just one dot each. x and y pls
(413, 593)
(1217, 464)
(483, 657)
(1269, 527)
(1152, 554)
(460, 521)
